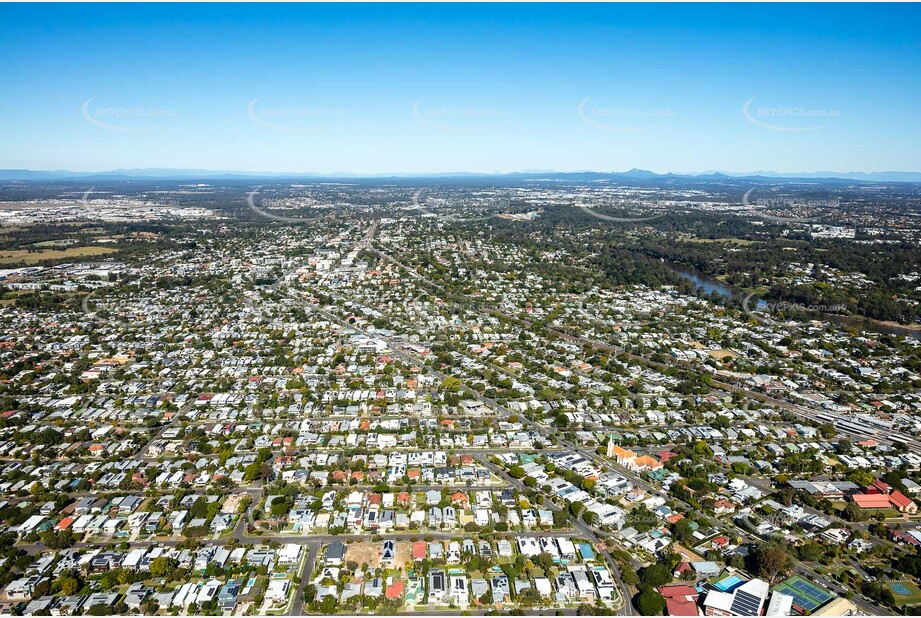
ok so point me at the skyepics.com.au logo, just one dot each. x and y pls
(621, 119)
(759, 309)
(458, 119)
(757, 207)
(593, 210)
(131, 119)
(251, 204)
(465, 209)
(94, 207)
(291, 119)
(789, 119)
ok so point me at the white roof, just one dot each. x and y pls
(781, 605)
(31, 523)
(756, 587)
(718, 600)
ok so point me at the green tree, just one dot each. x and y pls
(279, 508)
(771, 562)
(650, 603)
(70, 586)
(163, 566)
(656, 575)
(451, 384)
(860, 477)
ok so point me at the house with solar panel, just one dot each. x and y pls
(745, 600)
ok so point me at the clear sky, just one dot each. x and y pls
(481, 88)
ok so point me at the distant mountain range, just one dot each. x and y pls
(634, 174)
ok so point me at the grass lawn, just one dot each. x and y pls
(731, 241)
(33, 257)
(913, 596)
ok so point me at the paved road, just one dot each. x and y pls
(799, 568)
(619, 350)
(587, 531)
(297, 607)
(397, 351)
(314, 542)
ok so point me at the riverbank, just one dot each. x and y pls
(712, 285)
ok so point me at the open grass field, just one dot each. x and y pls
(20, 256)
(729, 241)
(905, 593)
(62, 242)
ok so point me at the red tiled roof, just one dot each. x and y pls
(674, 518)
(871, 501)
(677, 591)
(647, 461)
(882, 486)
(681, 607)
(395, 590)
(899, 499)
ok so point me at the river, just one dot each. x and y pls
(710, 285)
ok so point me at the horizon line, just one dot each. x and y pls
(418, 174)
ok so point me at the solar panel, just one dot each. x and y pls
(745, 604)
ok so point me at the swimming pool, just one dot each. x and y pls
(729, 584)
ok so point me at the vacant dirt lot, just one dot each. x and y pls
(370, 553)
(364, 553)
(687, 554)
(404, 555)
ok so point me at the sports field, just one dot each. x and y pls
(33, 257)
(805, 594)
(905, 593)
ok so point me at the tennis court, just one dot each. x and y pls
(805, 594)
(905, 593)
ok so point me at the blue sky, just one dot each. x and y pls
(436, 88)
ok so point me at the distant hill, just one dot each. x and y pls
(635, 174)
